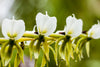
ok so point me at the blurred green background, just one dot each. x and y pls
(87, 10)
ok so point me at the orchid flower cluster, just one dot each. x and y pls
(69, 43)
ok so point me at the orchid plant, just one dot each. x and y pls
(69, 43)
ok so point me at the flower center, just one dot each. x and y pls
(12, 35)
(42, 32)
(70, 32)
(92, 32)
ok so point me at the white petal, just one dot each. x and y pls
(13, 27)
(76, 28)
(97, 34)
(46, 25)
(19, 28)
(70, 20)
(94, 32)
(6, 27)
(40, 21)
(51, 25)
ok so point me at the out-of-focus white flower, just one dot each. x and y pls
(5, 6)
(73, 27)
(31, 32)
(94, 32)
(13, 28)
(27, 42)
(45, 25)
(61, 42)
(59, 31)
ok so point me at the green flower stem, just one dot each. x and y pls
(25, 39)
(83, 35)
(56, 35)
(50, 42)
(2, 40)
(30, 35)
(50, 38)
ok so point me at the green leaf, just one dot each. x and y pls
(56, 49)
(43, 61)
(45, 49)
(20, 52)
(0, 62)
(62, 49)
(55, 57)
(67, 54)
(78, 44)
(87, 48)
(70, 49)
(37, 49)
(9, 65)
(62, 52)
(3, 49)
(6, 53)
(17, 60)
(31, 49)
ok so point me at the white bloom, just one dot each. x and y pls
(5, 6)
(94, 32)
(59, 31)
(61, 42)
(30, 32)
(73, 27)
(45, 25)
(13, 28)
(27, 43)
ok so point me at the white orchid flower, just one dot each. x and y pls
(94, 32)
(45, 25)
(13, 28)
(73, 27)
